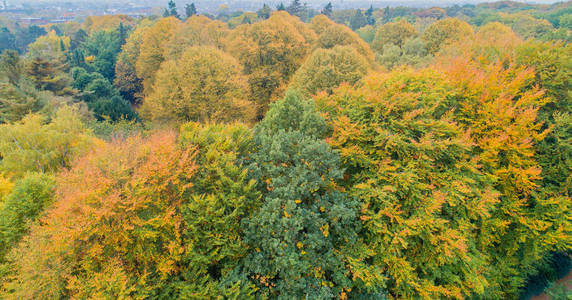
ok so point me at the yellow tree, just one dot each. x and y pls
(445, 32)
(197, 31)
(126, 79)
(50, 47)
(319, 23)
(325, 69)
(395, 33)
(205, 84)
(423, 198)
(270, 51)
(500, 105)
(152, 51)
(108, 22)
(341, 35)
(30, 145)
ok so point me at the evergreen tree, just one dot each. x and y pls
(11, 65)
(299, 234)
(280, 7)
(295, 8)
(265, 12)
(77, 39)
(327, 9)
(171, 11)
(386, 15)
(190, 10)
(369, 15)
(358, 20)
(7, 39)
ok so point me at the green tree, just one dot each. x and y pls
(101, 97)
(265, 12)
(49, 75)
(358, 20)
(11, 65)
(327, 11)
(295, 8)
(171, 10)
(7, 39)
(298, 235)
(100, 51)
(369, 16)
(16, 102)
(28, 198)
(190, 10)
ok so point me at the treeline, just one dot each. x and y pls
(419, 156)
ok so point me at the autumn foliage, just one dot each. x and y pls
(284, 155)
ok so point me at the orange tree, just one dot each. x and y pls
(143, 218)
(500, 105)
(424, 200)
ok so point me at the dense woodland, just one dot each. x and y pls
(288, 153)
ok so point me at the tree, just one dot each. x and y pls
(327, 11)
(11, 66)
(325, 69)
(445, 32)
(369, 16)
(16, 102)
(265, 12)
(101, 97)
(126, 80)
(50, 47)
(281, 7)
(367, 33)
(204, 85)
(552, 68)
(270, 51)
(196, 31)
(422, 194)
(77, 39)
(7, 39)
(340, 35)
(386, 15)
(501, 109)
(395, 33)
(49, 75)
(298, 235)
(358, 20)
(163, 216)
(295, 8)
(171, 11)
(28, 198)
(108, 22)
(32, 146)
(190, 10)
(152, 50)
(102, 48)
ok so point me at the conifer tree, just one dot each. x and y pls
(190, 10)
(327, 11)
(299, 234)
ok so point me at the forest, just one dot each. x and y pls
(288, 153)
